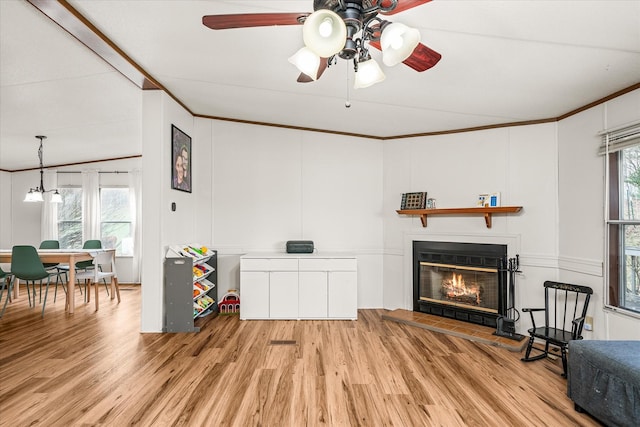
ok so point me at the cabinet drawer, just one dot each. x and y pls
(254, 264)
(314, 264)
(283, 264)
(343, 264)
(268, 264)
(328, 264)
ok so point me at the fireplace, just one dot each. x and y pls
(463, 281)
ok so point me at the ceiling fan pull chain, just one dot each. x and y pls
(347, 103)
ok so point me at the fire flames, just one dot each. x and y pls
(456, 289)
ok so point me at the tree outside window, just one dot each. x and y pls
(70, 218)
(624, 285)
(115, 222)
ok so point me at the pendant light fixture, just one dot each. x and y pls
(36, 194)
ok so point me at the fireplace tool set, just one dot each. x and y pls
(507, 323)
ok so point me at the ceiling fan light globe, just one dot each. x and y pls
(306, 61)
(398, 42)
(369, 73)
(324, 32)
(326, 27)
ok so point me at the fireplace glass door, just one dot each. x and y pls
(471, 287)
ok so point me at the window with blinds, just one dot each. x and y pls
(621, 148)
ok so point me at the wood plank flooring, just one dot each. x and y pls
(96, 369)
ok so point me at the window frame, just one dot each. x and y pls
(615, 223)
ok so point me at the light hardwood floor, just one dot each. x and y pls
(95, 368)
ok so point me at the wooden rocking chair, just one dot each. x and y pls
(565, 309)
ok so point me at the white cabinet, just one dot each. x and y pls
(313, 294)
(283, 295)
(269, 288)
(298, 286)
(254, 292)
(328, 288)
(343, 296)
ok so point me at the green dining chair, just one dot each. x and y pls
(6, 281)
(27, 266)
(54, 267)
(89, 244)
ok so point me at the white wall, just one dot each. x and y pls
(6, 218)
(271, 185)
(162, 227)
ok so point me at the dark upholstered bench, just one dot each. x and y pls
(603, 379)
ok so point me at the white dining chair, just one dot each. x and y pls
(95, 275)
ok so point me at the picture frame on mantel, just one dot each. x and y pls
(180, 160)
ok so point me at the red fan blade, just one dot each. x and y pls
(421, 59)
(303, 78)
(402, 5)
(243, 20)
(324, 63)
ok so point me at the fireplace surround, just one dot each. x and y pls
(462, 281)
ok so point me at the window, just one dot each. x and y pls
(70, 218)
(115, 221)
(623, 224)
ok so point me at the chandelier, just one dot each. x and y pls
(347, 32)
(36, 194)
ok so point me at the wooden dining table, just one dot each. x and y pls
(62, 256)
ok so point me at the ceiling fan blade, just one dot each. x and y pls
(243, 20)
(324, 63)
(422, 58)
(303, 78)
(402, 5)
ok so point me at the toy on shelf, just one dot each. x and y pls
(193, 250)
(201, 305)
(230, 303)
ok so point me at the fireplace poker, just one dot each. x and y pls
(506, 325)
(514, 267)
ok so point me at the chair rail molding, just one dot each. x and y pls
(591, 267)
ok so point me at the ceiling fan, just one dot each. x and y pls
(346, 29)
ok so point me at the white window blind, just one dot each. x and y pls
(618, 139)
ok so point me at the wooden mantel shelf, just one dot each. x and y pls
(486, 212)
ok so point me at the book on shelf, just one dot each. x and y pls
(415, 200)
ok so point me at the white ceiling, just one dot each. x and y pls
(502, 62)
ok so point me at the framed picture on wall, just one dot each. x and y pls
(180, 160)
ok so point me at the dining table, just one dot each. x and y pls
(61, 256)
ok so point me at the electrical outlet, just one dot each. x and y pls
(588, 323)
